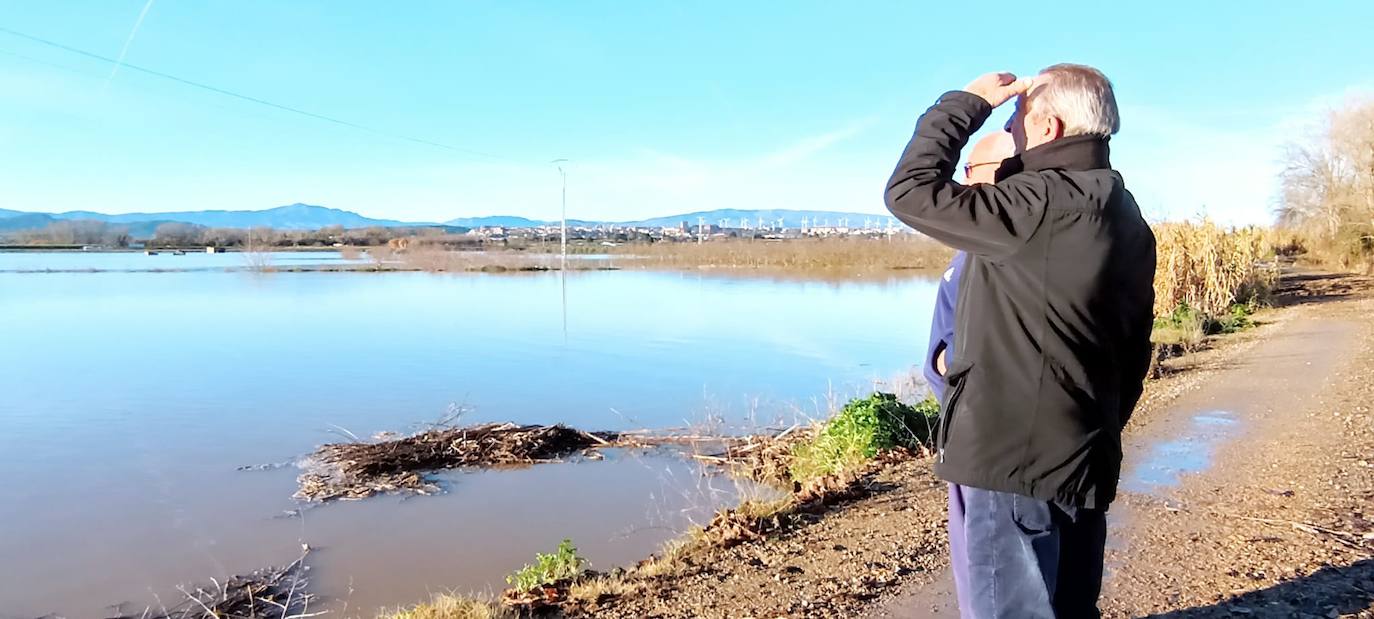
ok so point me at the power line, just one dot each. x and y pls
(243, 97)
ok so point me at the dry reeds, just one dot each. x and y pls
(438, 259)
(274, 593)
(453, 606)
(1208, 269)
(835, 253)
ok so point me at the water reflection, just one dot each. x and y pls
(135, 262)
(129, 400)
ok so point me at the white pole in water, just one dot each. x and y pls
(564, 225)
(563, 266)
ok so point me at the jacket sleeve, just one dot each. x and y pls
(1137, 364)
(983, 219)
(1133, 371)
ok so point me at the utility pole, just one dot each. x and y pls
(564, 226)
(701, 230)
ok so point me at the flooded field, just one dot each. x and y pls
(132, 396)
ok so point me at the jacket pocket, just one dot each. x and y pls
(955, 379)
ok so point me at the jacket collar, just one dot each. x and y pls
(1077, 153)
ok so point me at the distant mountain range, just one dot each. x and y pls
(292, 217)
(310, 217)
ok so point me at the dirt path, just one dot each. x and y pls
(1248, 477)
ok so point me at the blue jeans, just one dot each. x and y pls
(1022, 557)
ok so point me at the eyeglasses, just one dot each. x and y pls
(969, 167)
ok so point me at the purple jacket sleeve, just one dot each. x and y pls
(942, 324)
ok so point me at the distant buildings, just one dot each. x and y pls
(692, 231)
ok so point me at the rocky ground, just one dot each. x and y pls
(1274, 525)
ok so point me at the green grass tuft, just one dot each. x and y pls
(563, 564)
(862, 429)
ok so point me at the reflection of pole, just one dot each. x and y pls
(563, 241)
(563, 284)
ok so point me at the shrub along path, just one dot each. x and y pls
(1270, 516)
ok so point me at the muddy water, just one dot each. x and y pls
(129, 399)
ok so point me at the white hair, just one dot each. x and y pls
(1079, 96)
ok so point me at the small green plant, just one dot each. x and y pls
(1187, 326)
(563, 564)
(864, 427)
(1236, 318)
(1184, 327)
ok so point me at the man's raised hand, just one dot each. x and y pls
(997, 88)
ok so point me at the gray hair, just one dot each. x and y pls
(1079, 96)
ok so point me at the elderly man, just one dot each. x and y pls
(985, 159)
(1051, 343)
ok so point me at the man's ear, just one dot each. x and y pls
(1056, 128)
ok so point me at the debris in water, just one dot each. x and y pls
(359, 470)
(269, 593)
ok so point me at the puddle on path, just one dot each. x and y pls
(1166, 462)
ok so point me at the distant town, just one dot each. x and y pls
(699, 230)
(305, 226)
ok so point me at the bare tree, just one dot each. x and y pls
(257, 248)
(1328, 187)
(177, 234)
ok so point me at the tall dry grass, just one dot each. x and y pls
(838, 256)
(794, 254)
(829, 253)
(452, 606)
(1209, 269)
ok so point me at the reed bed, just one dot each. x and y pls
(1209, 269)
(818, 254)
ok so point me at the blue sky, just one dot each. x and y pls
(661, 106)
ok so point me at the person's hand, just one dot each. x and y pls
(997, 88)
